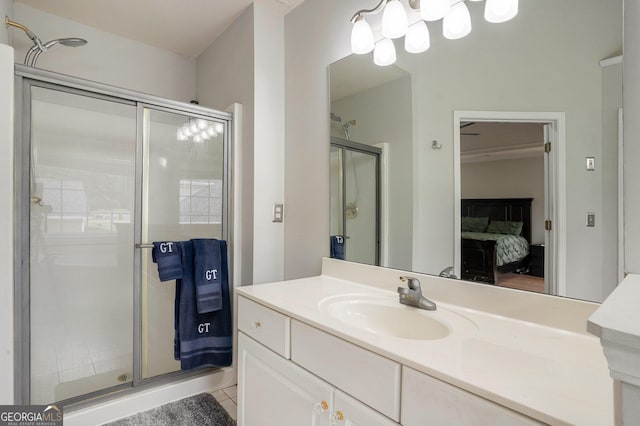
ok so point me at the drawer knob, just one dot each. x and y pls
(257, 324)
(321, 407)
(339, 415)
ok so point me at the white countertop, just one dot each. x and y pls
(553, 375)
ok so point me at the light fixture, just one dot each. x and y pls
(384, 53)
(198, 130)
(456, 23)
(498, 11)
(433, 10)
(417, 39)
(394, 20)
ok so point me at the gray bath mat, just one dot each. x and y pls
(197, 410)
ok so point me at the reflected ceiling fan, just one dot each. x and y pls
(465, 124)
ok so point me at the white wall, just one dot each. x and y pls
(317, 33)
(246, 65)
(6, 224)
(106, 58)
(225, 74)
(383, 114)
(631, 82)
(518, 178)
(268, 182)
(6, 9)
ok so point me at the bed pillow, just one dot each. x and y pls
(474, 224)
(504, 227)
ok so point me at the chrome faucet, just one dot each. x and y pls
(412, 296)
(448, 273)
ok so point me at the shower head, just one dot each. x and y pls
(335, 117)
(36, 51)
(39, 47)
(70, 42)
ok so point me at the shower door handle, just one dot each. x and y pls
(144, 246)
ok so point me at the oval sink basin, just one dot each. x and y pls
(386, 316)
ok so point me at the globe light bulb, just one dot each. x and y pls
(417, 39)
(361, 37)
(394, 20)
(432, 10)
(498, 11)
(457, 23)
(384, 53)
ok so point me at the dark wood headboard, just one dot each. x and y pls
(509, 209)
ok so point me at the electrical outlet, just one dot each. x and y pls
(591, 220)
(278, 213)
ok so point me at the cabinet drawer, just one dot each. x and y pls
(426, 399)
(267, 326)
(369, 377)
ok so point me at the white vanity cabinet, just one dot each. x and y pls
(290, 373)
(275, 391)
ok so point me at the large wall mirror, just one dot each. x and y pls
(465, 186)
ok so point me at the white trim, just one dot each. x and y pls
(611, 61)
(384, 203)
(559, 193)
(621, 266)
(7, 331)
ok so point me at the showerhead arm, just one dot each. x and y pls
(34, 38)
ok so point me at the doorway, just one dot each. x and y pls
(544, 155)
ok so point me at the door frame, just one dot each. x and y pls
(556, 239)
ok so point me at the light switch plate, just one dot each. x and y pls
(591, 164)
(591, 220)
(278, 213)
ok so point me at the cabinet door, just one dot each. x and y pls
(274, 391)
(426, 400)
(348, 411)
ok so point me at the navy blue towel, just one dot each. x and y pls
(207, 275)
(337, 247)
(167, 255)
(202, 340)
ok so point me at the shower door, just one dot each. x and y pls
(101, 178)
(81, 243)
(355, 199)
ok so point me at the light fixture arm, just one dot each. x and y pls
(359, 14)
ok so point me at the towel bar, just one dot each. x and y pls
(144, 245)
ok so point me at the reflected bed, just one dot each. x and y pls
(496, 237)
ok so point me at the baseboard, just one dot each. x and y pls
(130, 404)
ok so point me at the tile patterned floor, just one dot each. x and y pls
(228, 398)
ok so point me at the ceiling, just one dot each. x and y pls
(186, 27)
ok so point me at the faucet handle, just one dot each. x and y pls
(412, 283)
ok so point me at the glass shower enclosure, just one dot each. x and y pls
(355, 200)
(103, 172)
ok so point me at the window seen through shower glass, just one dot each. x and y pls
(183, 193)
(81, 244)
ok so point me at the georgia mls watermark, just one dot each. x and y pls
(30, 415)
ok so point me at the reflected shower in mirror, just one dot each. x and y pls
(452, 123)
